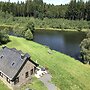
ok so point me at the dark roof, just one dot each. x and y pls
(11, 60)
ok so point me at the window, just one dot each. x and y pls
(26, 75)
(13, 64)
(8, 80)
(34, 69)
(31, 71)
(16, 80)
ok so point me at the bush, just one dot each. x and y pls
(4, 38)
(28, 35)
(30, 25)
(6, 26)
(85, 49)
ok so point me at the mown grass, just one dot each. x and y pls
(3, 86)
(34, 85)
(67, 73)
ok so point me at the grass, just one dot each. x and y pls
(3, 86)
(35, 85)
(67, 73)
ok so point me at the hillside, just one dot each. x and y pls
(67, 73)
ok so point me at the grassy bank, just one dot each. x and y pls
(3, 86)
(55, 29)
(35, 85)
(67, 73)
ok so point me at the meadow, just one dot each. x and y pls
(67, 73)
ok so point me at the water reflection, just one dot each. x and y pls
(65, 42)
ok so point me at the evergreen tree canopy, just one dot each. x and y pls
(4, 38)
(38, 9)
(28, 35)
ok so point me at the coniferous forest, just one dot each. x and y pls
(67, 26)
(22, 18)
(38, 9)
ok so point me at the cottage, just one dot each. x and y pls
(16, 68)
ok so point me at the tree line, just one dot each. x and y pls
(25, 32)
(35, 8)
(38, 9)
(78, 10)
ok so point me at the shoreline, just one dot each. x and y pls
(57, 63)
(55, 29)
(49, 29)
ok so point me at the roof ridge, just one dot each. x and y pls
(7, 64)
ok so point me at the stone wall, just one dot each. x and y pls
(28, 67)
(4, 79)
(22, 75)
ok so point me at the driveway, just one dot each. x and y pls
(46, 79)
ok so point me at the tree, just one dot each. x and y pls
(85, 49)
(80, 9)
(71, 12)
(28, 35)
(29, 30)
(4, 38)
(88, 10)
(76, 10)
(30, 25)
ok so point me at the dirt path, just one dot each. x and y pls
(46, 79)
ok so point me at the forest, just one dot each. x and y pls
(22, 18)
(37, 8)
(18, 22)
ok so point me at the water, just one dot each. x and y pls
(65, 42)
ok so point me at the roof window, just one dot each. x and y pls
(13, 63)
(1, 56)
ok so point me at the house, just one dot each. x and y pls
(16, 68)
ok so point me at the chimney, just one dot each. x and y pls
(22, 56)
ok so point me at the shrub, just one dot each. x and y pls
(4, 38)
(30, 25)
(28, 35)
(2, 27)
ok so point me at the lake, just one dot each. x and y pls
(62, 41)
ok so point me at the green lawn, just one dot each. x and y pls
(3, 86)
(35, 85)
(67, 73)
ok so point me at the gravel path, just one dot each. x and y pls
(46, 79)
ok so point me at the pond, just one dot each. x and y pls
(65, 42)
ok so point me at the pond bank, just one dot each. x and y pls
(62, 41)
(66, 72)
(55, 29)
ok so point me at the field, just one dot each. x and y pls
(35, 85)
(67, 73)
(3, 87)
